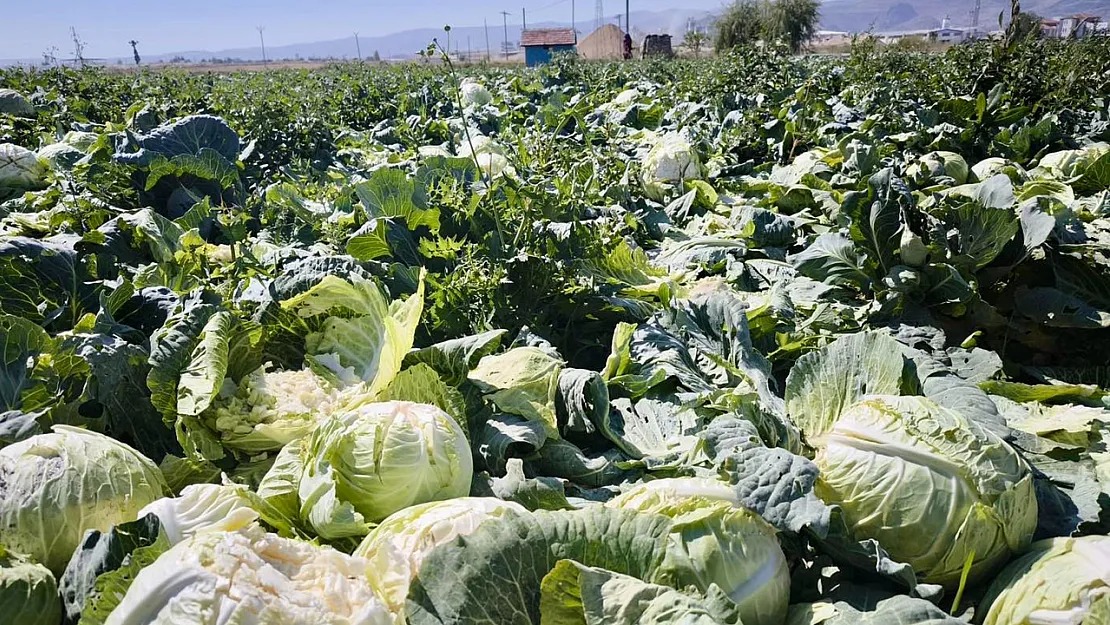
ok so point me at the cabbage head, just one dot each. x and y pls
(939, 168)
(55, 487)
(251, 577)
(80, 140)
(714, 541)
(988, 168)
(1059, 580)
(202, 508)
(60, 156)
(13, 103)
(20, 170)
(474, 93)
(661, 492)
(931, 486)
(28, 592)
(268, 409)
(365, 463)
(670, 159)
(1070, 164)
(397, 547)
(495, 165)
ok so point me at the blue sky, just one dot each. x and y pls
(29, 27)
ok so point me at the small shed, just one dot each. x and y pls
(539, 45)
(657, 46)
(605, 43)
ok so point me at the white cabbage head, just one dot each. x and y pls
(20, 170)
(270, 408)
(626, 97)
(55, 487)
(715, 541)
(474, 93)
(478, 144)
(495, 165)
(60, 155)
(1060, 581)
(370, 461)
(990, 167)
(13, 103)
(932, 486)
(939, 167)
(80, 140)
(397, 547)
(430, 151)
(1069, 164)
(203, 508)
(668, 490)
(251, 577)
(28, 592)
(669, 158)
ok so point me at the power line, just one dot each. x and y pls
(553, 4)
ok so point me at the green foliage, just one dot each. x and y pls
(745, 22)
(656, 282)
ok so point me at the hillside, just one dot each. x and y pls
(883, 15)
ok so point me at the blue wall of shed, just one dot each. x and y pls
(538, 55)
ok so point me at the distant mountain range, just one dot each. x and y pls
(888, 15)
(839, 15)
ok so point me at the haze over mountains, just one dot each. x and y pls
(840, 15)
(886, 15)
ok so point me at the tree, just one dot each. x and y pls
(694, 41)
(793, 21)
(135, 49)
(1026, 26)
(741, 24)
(748, 21)
(377, 57)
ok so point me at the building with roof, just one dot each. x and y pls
(944, 34)
(1078, 26)
(604, 44)
(540, 44)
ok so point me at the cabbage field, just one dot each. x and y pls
(760, 340)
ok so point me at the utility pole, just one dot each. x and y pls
(263, 40)
(505, 18)
(485, 24)
(523, 18)
(627, 18)
(468, 57)
(573, 21)
(358, 47)
(448, 48)
(599, 14)
(975, 15)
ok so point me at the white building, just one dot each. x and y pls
(1079, 26)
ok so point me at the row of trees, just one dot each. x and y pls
(745, 22)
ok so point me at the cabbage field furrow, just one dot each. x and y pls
(762, 339)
